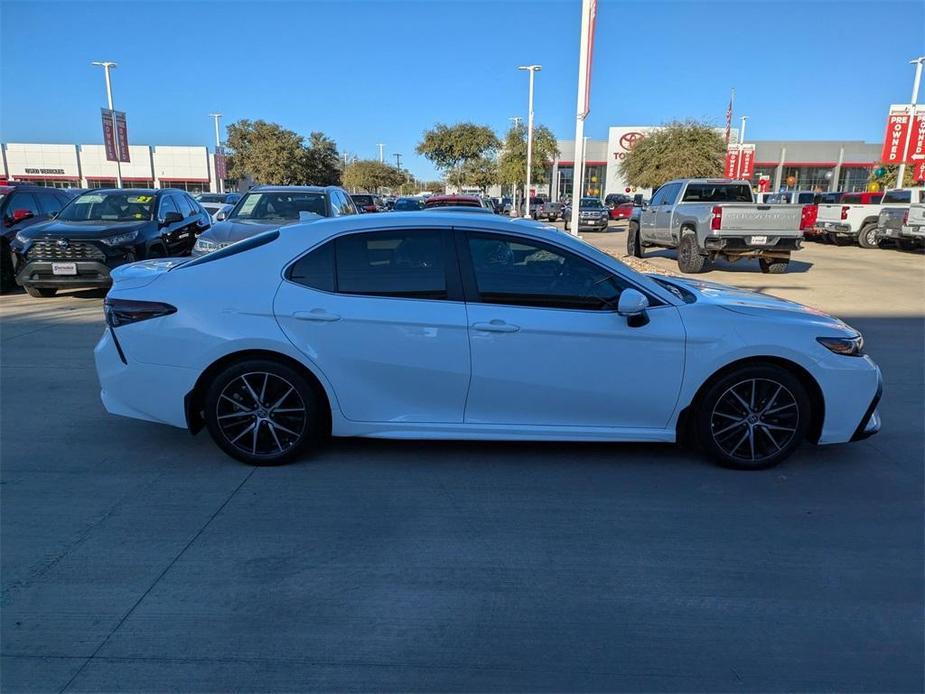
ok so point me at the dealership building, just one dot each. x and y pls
(86, 166)
(788, 164)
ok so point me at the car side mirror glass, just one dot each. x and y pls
(172, 218)
(632, 305)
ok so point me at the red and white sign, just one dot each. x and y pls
(122, 140)
(764, 183)
(732, 162)
(897, 130)
(917, 135)
(109, 135)
(746, 161)
(918, 174)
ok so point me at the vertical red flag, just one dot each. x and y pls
(122, 132)
(917, 138)
(732, 161)
(918, 174)
(109, 135)
(747, 161)
(897, 129)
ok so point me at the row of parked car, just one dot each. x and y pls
(868, 219)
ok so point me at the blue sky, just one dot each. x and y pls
(369, 72)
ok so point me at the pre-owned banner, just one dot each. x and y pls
(918, 173)
(897, 130)
(732, 161)
(122, 139)
(746, 161)
(109, 135)
(917, 141)
(220, 165)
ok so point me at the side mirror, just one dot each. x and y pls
(172, 218)
(20, 215)
(632, 305)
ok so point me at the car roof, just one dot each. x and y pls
(473, 198)
(298, 189)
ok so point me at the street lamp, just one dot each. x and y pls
(532, 69)
(381, 147)
(915, 97)
(742, 131)
(107, 66)
(219, 183)
(516, 121)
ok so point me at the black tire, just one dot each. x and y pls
(773, 266)
(633, 245)
(690, 260)
(41, 292)
(7, 276)
(867, 238)
(272, 409)
(566, 226)
(753, 430)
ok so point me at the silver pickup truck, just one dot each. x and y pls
(709, 218)
(903, 225)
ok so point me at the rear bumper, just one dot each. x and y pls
(743, 245)
(38, 273)
(835, 228)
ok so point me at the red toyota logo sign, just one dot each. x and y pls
(629, 140)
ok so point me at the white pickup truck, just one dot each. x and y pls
(845, 223)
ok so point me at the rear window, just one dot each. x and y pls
(363, 199)
(897, 196)
(717, 192)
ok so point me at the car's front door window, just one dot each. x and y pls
(520, 272)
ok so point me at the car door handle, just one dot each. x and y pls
(316, 314)
(496, 326)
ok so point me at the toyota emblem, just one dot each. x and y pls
(629, 140)
(62, 243)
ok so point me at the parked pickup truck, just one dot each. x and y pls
(707, 218)
(544, 209)
(847, 221)
(904, 225)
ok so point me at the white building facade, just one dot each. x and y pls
(85, 166)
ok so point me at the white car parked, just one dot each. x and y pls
(460, 326)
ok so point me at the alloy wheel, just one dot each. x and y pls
(261, 414)
(754, 420)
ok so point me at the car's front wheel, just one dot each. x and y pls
(263, 412)
(41, 292)
(753, 417)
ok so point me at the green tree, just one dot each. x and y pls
(321, 162)
(676, 150)
(481, 173)
(451, 147)
(512, 164)
(371, 174)
(888, 179)
(266, 152)
(434, 186)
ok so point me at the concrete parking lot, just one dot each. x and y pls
(138, 558)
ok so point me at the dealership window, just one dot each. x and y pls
(50, 182)
(807, 177)
(854, 178)
(192, 187)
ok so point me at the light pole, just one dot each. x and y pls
(381, 147)
(516, 121)
(397, 160)
(219, 183)
(742, 131)
(583, 105)
(532, 69)
(107, 66)
(915, 97)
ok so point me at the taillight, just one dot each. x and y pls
(124, 311)
(844, 211)
(716, 220)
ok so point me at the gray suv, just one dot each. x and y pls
(271, 207)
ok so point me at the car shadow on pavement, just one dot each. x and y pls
(745, 265)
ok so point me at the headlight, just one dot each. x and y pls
(846, 346)
(120, 239)
(204, 245)
(21, 238)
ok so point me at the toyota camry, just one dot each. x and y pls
(458, 326)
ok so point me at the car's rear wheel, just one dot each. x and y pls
(633, 245)
(867, 238)
(773, 266)
(753, 417)
(689, 258)
(263, 412)
(41, 292)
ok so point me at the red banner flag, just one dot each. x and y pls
(918, 174)
(732, 162)
(917, 141)
(109, 135)
(897, 129)
(122, 132)
(746, 161)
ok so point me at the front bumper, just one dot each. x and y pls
(38, 273)
(870, 422)
(591, 224)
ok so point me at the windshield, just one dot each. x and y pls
(279, 205)
(112, 206)
(718, 192)
(211, 197)
(591, 202)
(401, 205)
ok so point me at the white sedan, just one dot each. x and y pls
(458, 326)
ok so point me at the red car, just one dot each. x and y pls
(622, 211)
(808, 218)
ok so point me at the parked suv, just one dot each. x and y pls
(21, 207)
(102, 229)
(271, 207)
(592, 215)
(368, 203)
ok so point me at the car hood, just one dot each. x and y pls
(232, 230)
(752, 303)
(79, 230)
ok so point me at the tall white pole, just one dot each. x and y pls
(742, 131)
(532, 69)
(741, 142)
(513, 213)
(107, 65)
(588, 17)
(219, 183)
(381, 147)
(900, 175)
